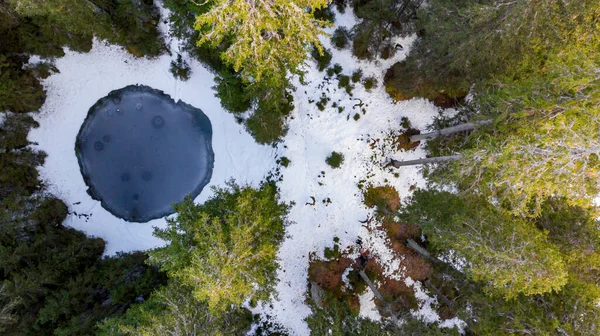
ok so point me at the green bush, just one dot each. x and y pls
(20, 91)
(322, 103)
(340, 38)
(335, 159)
(325, 14)
(370, 83)
(357, 76)
(181, 69)
(284, 161)
(387, 51)
(267, 123)
(337, 69)
(322, 60)
(232, 92)
(344, 81)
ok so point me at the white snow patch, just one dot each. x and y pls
(377, 243)
(345, 279)
(426, 313)
(368, 308)
(455, 260)
(3, 117)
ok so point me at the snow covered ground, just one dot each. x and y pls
(312, 136)
(86, 77)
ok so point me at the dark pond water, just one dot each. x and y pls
(140, 152)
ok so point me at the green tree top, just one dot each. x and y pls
(265, 39)
(508, 253)
(225, 249)
(545, 143)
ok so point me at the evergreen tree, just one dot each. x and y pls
(173, 310)
(545, 137)
(506, 252)
(380, 21)
(264, 39)
(225, 249)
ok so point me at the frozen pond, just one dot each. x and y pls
(139, 152)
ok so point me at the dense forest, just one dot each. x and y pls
(505, 235)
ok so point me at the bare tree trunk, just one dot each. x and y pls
(378, 295)
(423, 252)
(316, 292)
(438, 293)
(448, 131)
(438, 159)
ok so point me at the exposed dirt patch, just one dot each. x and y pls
(402, 141)
(328, 274)
(413, 264)
(395, 292)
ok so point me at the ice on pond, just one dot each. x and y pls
(149, 155)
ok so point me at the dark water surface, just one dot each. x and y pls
(140, 152)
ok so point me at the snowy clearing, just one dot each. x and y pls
(86, 77)
(312, 136)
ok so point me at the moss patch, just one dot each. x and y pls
(385, 198)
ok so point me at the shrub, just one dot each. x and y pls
(51, 211)
(340, 37)
(370, 83)
(385, 198)
(322, 103)
(284, 161)
(20, 91)
(356, 117)
(325, 14)
(232, 92)
(357, 76)
(344, 81)
(324, 60)
(387, 51)
(340, 5)
(181, 69)
(267, 123)
(335, 159)
(337, 69)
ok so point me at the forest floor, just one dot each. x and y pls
(326, 202)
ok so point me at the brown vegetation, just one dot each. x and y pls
(402, 83)
(328, 274)
(385, 198)
(402, 141)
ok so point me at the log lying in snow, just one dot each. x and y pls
(379, 297)
(448, 131)
(438, 159)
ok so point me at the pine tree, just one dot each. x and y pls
(264, 40)
(545, 142)
(173, 310)
(225, 249)
(506, 252)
